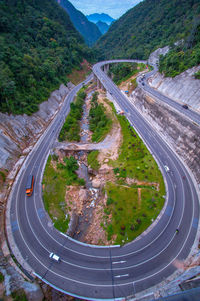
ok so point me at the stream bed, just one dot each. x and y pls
(84, 220)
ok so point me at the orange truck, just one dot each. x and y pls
(29, 185)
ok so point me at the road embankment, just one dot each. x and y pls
(180, 133)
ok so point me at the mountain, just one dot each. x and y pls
(149, 25)
(39, 47)
(87, 29)
(100, 17)
(103, 27)
(184, 55)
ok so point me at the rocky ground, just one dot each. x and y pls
(87, 203)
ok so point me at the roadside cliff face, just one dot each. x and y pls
(19, 133)
(180, 133)
(183, 88)
(154, 56)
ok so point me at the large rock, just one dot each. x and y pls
(83, 195)
(96, 183)
(154, 56)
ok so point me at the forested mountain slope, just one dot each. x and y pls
(184, 55)
(147, 26)
(103, 27)
(39, 46)
(87, 29)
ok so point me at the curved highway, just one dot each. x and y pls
(98, 273)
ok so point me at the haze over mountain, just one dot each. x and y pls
(39, 46)
(113, 8)
(103, 27)
(100, 17)
(87, 29)
(147, 26)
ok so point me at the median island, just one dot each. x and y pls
(101, 186)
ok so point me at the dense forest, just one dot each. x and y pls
(184, 55)
(122, 71)
(149, 25)
(39, 46)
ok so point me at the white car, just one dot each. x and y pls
(54, 257)
(166, 168)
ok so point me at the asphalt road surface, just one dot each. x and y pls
(98, 273)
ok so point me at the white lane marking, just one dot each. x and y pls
(180, 165)
(173, 190)
(127, 253)
(120, 276)
(172, 260)
(122, 261)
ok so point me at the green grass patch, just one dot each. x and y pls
(123, 71)
(133, 84)
(197, 75)
(1, 277)
(100, 124)
(132, 210)
(2, 176)
(71, 128)
(19, 295)
(92, 160)
(134, 159)
(130, 217)
(54, 189)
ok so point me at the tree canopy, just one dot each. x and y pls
(39, 46)
(183, 56)
(149, 25)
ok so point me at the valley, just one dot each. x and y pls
(112, 148)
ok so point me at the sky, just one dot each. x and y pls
(114, 8)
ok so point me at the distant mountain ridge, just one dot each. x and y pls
(100, 17)
(103, 27)
(87, 29)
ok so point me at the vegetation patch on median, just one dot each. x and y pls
(71, 128)
(1, 277)
(100, 124)
(134, 159)
(136, 196)
(92, 160)
(57, 176)
(131, 212)
(123, 71)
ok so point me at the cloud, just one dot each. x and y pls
(112, 7)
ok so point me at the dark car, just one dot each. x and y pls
(185, 106)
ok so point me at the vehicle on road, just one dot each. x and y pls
(185, 106)
(166, 168)
(54, 257)
(29, 185)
